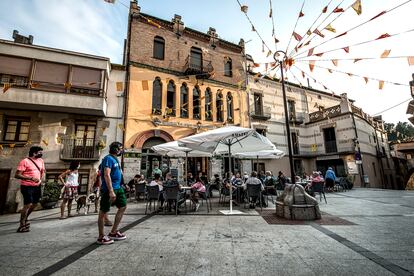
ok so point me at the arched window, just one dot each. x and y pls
(156, 96)
(219, 107)
(229, 107)
(228, 67)
(159, 47)
(184, 100)
(171, 98)
(196, 103)
(208, 104)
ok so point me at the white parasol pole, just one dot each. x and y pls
(186, 167)
(231, 194)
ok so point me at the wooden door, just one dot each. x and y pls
(4, 186)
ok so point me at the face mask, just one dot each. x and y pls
(39, 155)
(120, 152)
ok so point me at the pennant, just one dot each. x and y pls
(329, 70)
(341, 35)
(310, 52)
(316, 31)
(297, 36)
(338, 9)
(380, 84)
(268, 54)
(110, 1)
(253, 29)
(349, 74)
(311, 65)
(410, 61)
(335, 62)
(154, 23)
(271, 12)
(303, 74)
(301, 14)
(266, 66)
(326, 88)
(277, 40)
(309, 32)
(385, 54)
(378, 15)
(296, 49)
(357, 59)
(319, 54)
(300, 45)
(324, 10)
(383, 36)
(330, 28)
(46, 142)
(144, 85)
(346, 49)
(119, 86)
(357, 7)
(256, 65)
(244, 8)
(263, 46)
(307, 43)
(366, 80)
(6, 86)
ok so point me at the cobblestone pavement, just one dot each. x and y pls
(380, 241)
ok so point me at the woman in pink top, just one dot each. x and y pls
(197, 188)
(70, 180)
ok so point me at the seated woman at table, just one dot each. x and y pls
(197, 188)
(316, 177)
(214, 184)
(172, 182)
(237, 181)
(157, 182)
(270, 184)
(253, 180)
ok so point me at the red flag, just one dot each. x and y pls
(301, 14)
(310, 51)
(383, 36)
(256, 65)
(319, 54)
(378, 15)
(335, 62)
(346, 49)
(325, 9)
(338, 9)
(297, 36)
(316, 31)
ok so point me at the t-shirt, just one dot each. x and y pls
(253, 181)
(155, 183)
(111, 162)
(29, 169)
(199, 187)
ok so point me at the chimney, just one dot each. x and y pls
(22, 39)
(213, 36)
(178, 25)
(134, 8)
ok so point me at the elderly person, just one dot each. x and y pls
(253, 180)
(330, 179)
(316, 177)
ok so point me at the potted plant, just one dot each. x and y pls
(50, 195)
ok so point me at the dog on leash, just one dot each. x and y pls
(85, 202)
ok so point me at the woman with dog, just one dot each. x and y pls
(70, 180)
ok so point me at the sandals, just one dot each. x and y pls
(23, 229)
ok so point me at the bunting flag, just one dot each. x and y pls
(324, 10)
(309, 32)
(307, 43)
(385, 54)
(338, 10)
(46, 142)
(273, 64)
(330, 28)
(277, 40)
(383, 36)
(121, 127)
(357, 59)
(329, 70)
(310, 52)
(378, 15)
(410, 61)
(341, 35)
(144, 85)
(256, 65)
(270, 12)
(6, 86)
(253, 29)
(319, 54)
(380, 84)
(316, 31)
(269, 53)
(303, 74)
(263, 46)
(346, 49)
(154, 23)
(110, 1)
(366, 80)
(297, 36)
(301, 14)
(300, 45)
(349, 74)
(119, 86)
(335, 62)
(311, 65)
(244, 8)
(296, 49)
(357, 7)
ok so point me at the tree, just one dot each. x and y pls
(400, 131)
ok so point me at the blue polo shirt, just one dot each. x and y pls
(111, 162)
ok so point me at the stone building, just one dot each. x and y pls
(69, 103)
(327, 130)
(181, 81)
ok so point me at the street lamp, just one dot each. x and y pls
(280, 57)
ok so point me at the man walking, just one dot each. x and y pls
(30, 171)
(330, 179)
(111, 194)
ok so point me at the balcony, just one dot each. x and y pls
(330, 147)
(81, 149)
(203, 69)
(325, 113)
(297, 118)
(260, 114)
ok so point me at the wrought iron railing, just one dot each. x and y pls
(325, 113)
(195, 65)
(80, 148)
(260, 113)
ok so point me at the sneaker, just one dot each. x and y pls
(197, 206)
(118, 236)
(104, 240)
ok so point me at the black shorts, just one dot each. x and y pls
(31, 194)
(329, 183)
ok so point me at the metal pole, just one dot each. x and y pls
(289, 139)
(231, 194)
(186, 168)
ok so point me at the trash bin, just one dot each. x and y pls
(366, 179)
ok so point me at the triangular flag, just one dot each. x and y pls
(266, 66)
(316, 31)
(349, 74)
(310, 52)
(270, 13)
(6, 86)
(341, 35)
(357, 7)
(346, 49)
(366, 80)
(307, 43)
(300, 45)
(319, 54)
(330, 28)
(410, 60)
(338, 9)
(309, 32)
(383, 36)
(385, 54)
(268, 54)
(357, 59)
(256, 65)
(244, 8)
(296, 49)
(324, 10)
(311, 65)
(378, 15)
(303, 74)
(253, 29)
(301, 14)
(380, 84)
(276, 40)
(297, 36)
(329, 70)
(263, 46)
(335, 62)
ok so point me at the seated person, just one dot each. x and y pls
(253, 180)
(214, 184)
(196, 189)
(132, 182)
(316, 177)
(171, 182)
(270, 184)
(282, 181)
(190, 179)
(237, 183)
(157, 182)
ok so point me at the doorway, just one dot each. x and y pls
(4, 187)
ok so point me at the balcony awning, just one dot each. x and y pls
(410, 107)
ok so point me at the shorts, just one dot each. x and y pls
(329, 183)
(31, 194)
(70, 192)
(120, 201)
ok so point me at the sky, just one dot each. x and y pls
(99, 28)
